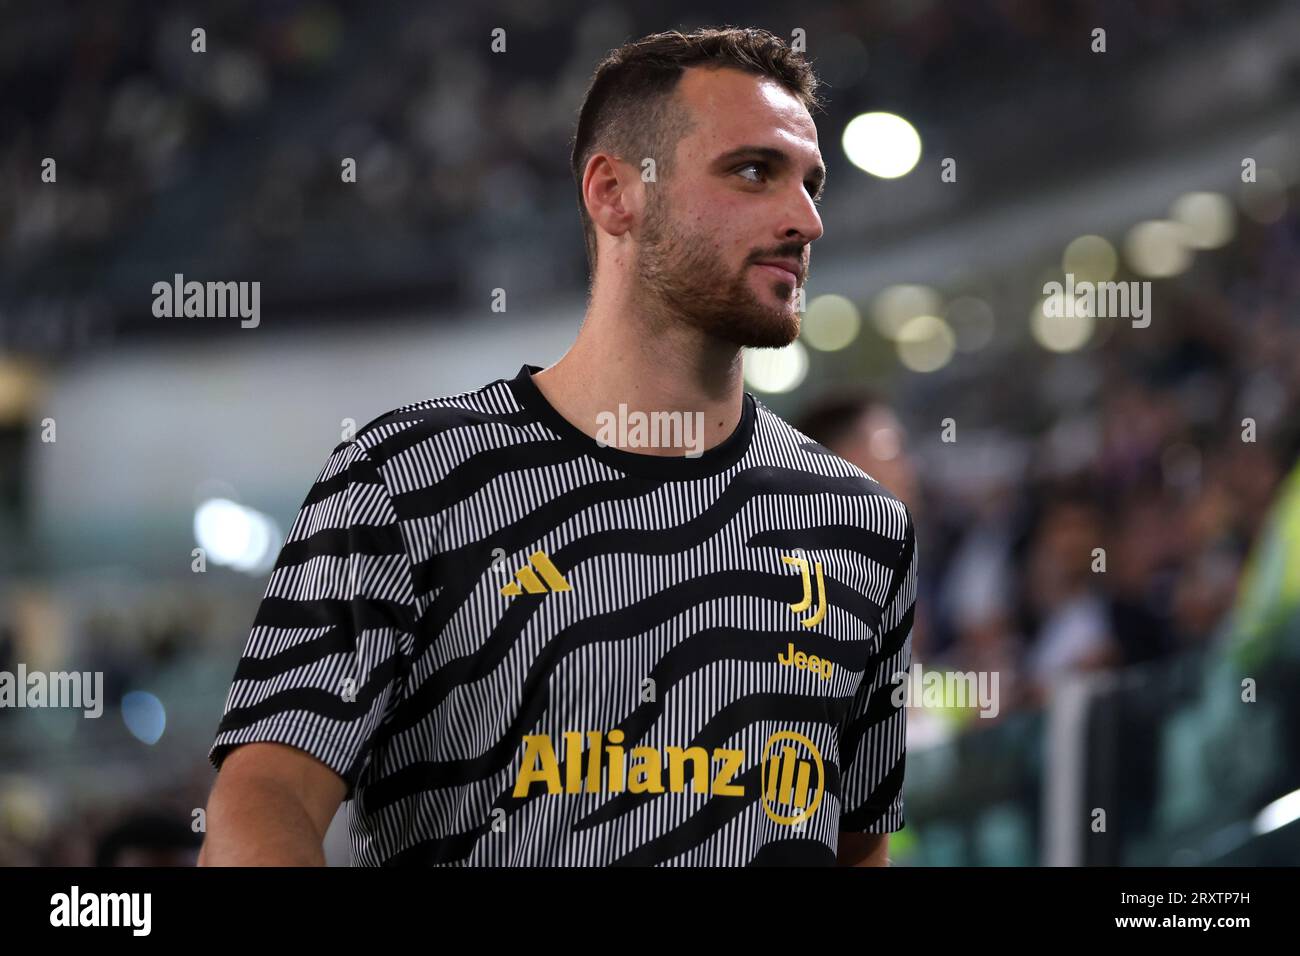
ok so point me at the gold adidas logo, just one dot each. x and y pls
(551, 579)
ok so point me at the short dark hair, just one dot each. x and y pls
(831, 418)
(629, 109)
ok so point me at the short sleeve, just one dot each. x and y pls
(873, 743)
(319, 669)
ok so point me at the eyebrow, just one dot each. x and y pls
(777, 157)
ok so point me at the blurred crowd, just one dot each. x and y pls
(1115, 530)
(233, 157)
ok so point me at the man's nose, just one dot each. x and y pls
(804, 221)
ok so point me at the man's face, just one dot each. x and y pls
(740, 192)
(878, 445)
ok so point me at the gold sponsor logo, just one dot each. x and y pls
(789, 760)
(803, 605)
(546, 577)
(793, 778)
(810, 662)
(605, 766)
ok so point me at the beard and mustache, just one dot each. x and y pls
(685, 279)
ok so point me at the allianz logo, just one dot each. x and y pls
(792, 783)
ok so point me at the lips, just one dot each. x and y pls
(789, 270)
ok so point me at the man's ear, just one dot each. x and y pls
(613, 196)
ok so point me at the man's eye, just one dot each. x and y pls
(758, 166)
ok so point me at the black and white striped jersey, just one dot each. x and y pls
(521, 646)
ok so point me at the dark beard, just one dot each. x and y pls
(690, 282)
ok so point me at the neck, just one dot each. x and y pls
(629, 353)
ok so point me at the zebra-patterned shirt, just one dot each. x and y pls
(519, 645)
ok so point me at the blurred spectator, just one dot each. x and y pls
(149, 840)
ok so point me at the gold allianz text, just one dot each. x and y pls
(641, 771)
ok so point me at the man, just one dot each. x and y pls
(858, 425)
(514, 635)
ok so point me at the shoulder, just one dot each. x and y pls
(445, 423)
(780, 437)
(819, 468)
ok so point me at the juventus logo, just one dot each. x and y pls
(802, 565)
(551, 579)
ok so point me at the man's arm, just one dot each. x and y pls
(863, 849)
(270, 806)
